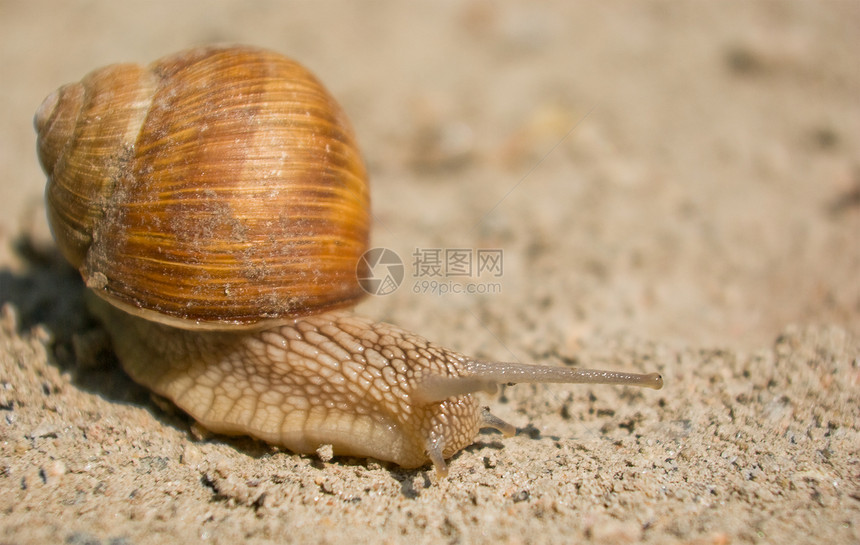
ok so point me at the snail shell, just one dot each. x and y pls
(215, 186)
(217, 204)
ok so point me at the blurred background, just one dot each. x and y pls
(686, 172)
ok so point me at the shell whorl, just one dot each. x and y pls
(218, 186)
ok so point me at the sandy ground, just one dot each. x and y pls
(675, 187)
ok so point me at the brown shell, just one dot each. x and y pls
(220, 185)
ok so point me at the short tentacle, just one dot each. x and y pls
(489, 420)
(435, 449)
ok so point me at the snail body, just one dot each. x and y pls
(216, 203)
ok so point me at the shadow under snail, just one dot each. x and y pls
(217, 204)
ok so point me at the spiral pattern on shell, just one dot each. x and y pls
(218, 186)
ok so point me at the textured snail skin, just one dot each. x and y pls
(333, 378)
(216, 203)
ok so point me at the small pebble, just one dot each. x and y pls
(325, 453)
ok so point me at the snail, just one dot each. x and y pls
(217, 205)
